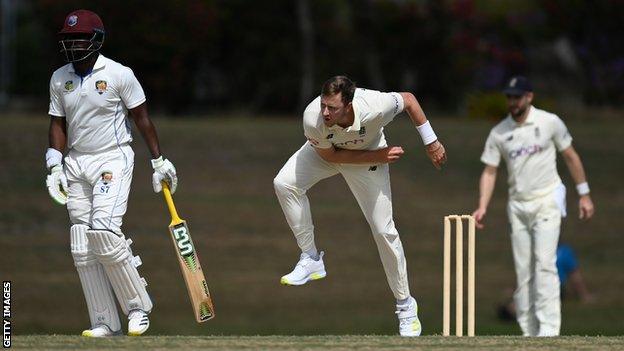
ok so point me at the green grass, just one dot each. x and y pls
(226, 167)
(325, 342)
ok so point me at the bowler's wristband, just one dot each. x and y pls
(426, 133)
(582, 189)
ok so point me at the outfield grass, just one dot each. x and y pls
(226, 167)
(324, 342)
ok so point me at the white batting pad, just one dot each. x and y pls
(95, 284)
(114, 254)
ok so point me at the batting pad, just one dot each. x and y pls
(113, 252)
(95, 284)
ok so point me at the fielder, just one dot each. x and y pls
(91, 100)
(344, 128)
(527, 140)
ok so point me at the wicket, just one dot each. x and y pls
(459, 276)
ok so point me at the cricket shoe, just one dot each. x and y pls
(137, 322)
(306, 269)
(99, 331)
(409, 324)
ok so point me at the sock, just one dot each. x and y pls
(403, 302)
(313, 254)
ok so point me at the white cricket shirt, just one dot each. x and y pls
(96, 106)
(529, 150)
(372, 109)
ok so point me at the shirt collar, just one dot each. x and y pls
(529, 120)
(99, 63)
(356, 117)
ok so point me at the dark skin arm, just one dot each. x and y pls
(57, 134)
(146, 127)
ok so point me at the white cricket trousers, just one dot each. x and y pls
(535, 226)
(94, 200)
(370, 184)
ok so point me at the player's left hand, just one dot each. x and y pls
(586, 207)
(436, 153)
(164, 171)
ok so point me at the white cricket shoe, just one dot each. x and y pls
(306, 269)
(99, 331)
(409, 324)
(137, 322)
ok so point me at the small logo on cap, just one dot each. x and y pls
(72, 20)
(512, 83)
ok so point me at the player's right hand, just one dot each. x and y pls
(164, 171)
(479, 215)
(57, 185)
(391, 154)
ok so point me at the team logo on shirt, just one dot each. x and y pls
(100, 86)
(69, 85)
(107, 177)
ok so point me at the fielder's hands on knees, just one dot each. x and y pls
(586, 207)
(436, 153)
(164, 171)
(57, 184)
(391, 154)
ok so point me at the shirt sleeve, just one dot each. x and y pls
(561, 135)
(390, 104)
(130, 91)
(491, 153)
(56, 104)
(315, 138)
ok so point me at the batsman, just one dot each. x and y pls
(344, 128)
(92, 99)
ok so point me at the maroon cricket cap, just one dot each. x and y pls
(82, 21)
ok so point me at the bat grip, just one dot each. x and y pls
(170, 204)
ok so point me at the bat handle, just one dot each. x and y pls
(170, 204)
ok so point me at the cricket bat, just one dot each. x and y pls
(189, 263)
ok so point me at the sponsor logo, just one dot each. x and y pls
(362, 131)
(69, 85)
(525, 151)
(350, 142)
(100, 86)
(313, 141)
(72, 20)
(372, 168)
(180, 234)
(509, 138)
(537, 132)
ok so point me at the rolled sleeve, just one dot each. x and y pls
(131, 91)
(56, 103)
(491, 153)
(561, 135)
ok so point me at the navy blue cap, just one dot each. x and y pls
(518, 85)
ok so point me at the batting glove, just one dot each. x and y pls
(164, 171)
(57, 185)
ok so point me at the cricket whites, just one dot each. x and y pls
(189, 263)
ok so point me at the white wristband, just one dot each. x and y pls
(582, 189)
(426, 133)
(53, 157)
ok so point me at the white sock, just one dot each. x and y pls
(403, 302)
